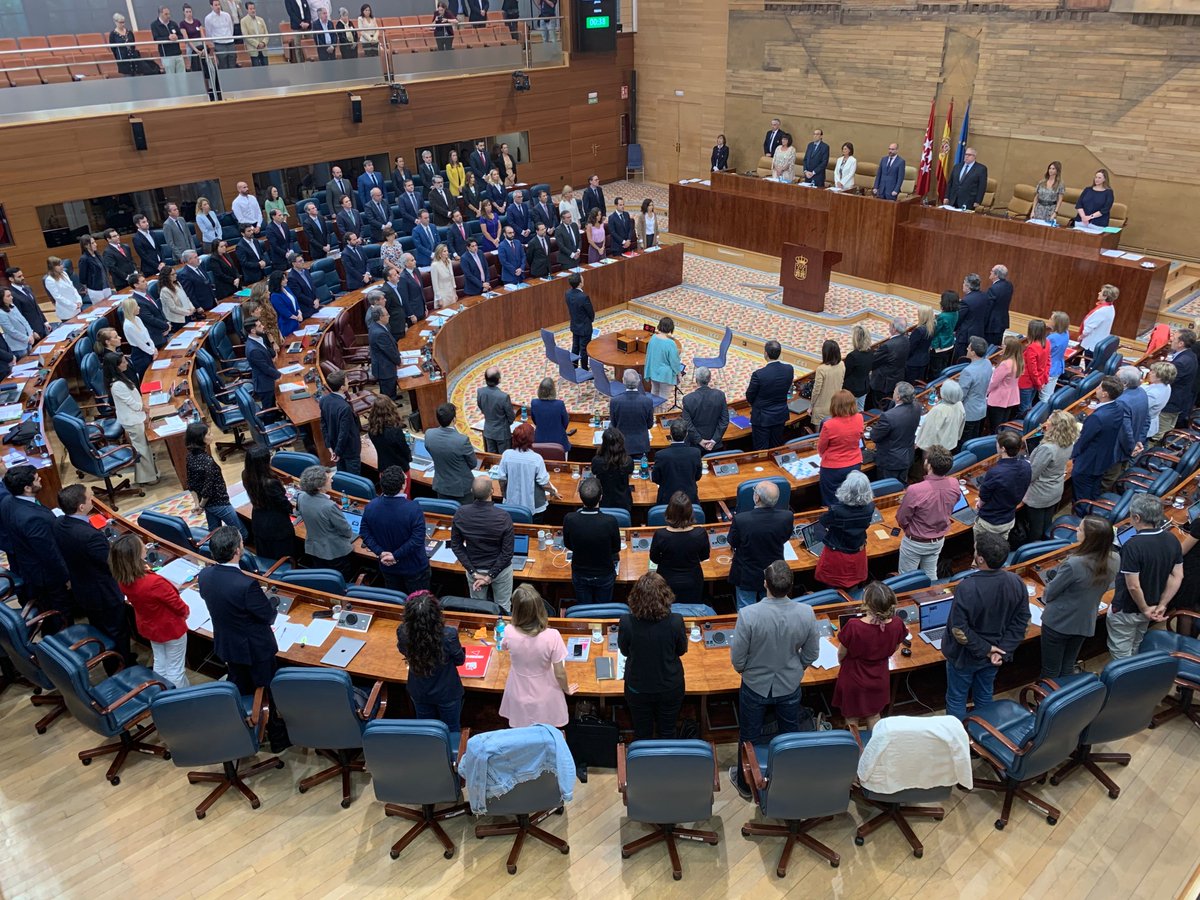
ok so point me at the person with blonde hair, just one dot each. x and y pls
(537, 687)
(867, 642)
(1003, 393)
(858, 365)
(67, 302)
(141, 345)
(441, 274)
(1048, 464)
(1158, 391)
(1057, 339)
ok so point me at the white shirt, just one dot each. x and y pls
(66, 299)
(843, 173)
(1097, 325)
(128, 404)
(218, 27)
(137, 335)
(246, 210)
(909, 752)
(148, 236)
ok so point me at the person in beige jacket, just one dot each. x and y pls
(943, 424)
(254, 24)
(827, 381)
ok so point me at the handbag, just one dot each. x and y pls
(806, 390)
(593, 742)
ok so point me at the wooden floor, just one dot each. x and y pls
(68, 833)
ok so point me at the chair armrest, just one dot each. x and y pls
(1184, 655)
(87, 640)
(107, 654)
(260, 712)
(751, 770)
(1033, 694)
(1182, 613)
(125, 698)
(279, 562)
(572, 431)
(622, 774)
(991, 729)
(111, 450)
(361, 577)
(368, 710)
(270, 409)
(267, 429)
(716, 769)
(723, 508)
(35, 624)
(463, 736)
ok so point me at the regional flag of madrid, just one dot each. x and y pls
(926, 166)
(943, 168)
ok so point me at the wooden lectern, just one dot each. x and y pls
(804, 274)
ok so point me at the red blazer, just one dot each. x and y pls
(159, 611)
(838, 443)
(1037, 366)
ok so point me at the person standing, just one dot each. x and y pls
(1003, 394)
(1048, 474)
(887, 366)
(677, 467)
(385, 427)
(393, 528)
(33, 553)
(579, 308)
(537, 688)
(942, 344)
(206, 481)
(261, 356)
(988, 619)
(254, 31)
(1102, 438)
(974, 381)
(498, 413)
(943, 424)
(662, 359)
(1097, 324)
(550, 417)
(973, 312)
(756, 537)
(613, 468)
(328, 538)
(774, 136)
(680, 549)
(1179, 405)
(131, 415)
(652, 639)
(1158, 392)
(924, 514)
(594, 541)
(523, 472)
(270, 508)
(1072, 597)
(433, 652)
(839, 444)
(968, 182)
(920, 341)
(894, 434)
(1037, 366)
(1150, 573)
(999, 297)
(816, 159)
(858, 366)
(889, 177)
(1135, 406)
(218, 28)
(481, 536)
(828, 379)
(843, 560)
(774, 642)
(385, 357)
(767, 394)
(339, 425)
(453, 457)
(1057, 339)
(158, 610)
(166, 32)
(632, 412)
(705, 413)
(1002, 487)
(866, 644)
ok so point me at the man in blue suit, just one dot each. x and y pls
(456, 235)
(517, 215)
(512, 258)
(301, 285)
(412, 292)
(150, 311)
(411, 203)
(34, 553)
(972, 315)
(318, 232)
(477, 276)
(367, 181)
(816, 158)
(767, 393)
(1135, 409)
(261, 357)
(621, 238)
(250, 257)
(773, 138)
(195, 283)
(354, 263)
(632, 413)
(279, 241)
(425, 239)
(890, 177)
(999, 299)
(593, 197)
(1103, 439)
(385, 358)
(348, 218)
(544, 211)
(478, 161)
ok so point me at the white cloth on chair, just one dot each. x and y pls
(910, 752)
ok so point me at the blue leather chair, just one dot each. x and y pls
(552, 348)
(104, 464)
(624, 520)
(1022, 745)
(211, 724)
(693, 610)
(962, 460)
(222, 349)
(716, 362)
(470, 605)
(1089, 383)
(567, 370)
(982, 447)
(1109, 506)
(1186, 650)
(173, 530)
(17, 635)
(92, 373)
(325, 711)
(271, 436)
(667, 781)
(437, 505)
(823, 598)
(413, 761)
(885, 486)
(530, 802)
(1104, 349)
(521, 515)
(597, 611)
(657, 516)
(58, 399)
(908, 581)
(787, 789)
(1032, 550)
(353, 485)
(1064, 396)
(1135, 687)
(293, 462)
(331, 581)
(805, 444)
(226, 416)
(224, 379)
(377, 594)
(745, 492)
(116, 706)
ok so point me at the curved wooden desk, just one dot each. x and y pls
(605, 350)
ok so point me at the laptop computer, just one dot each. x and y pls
(520, 551)
(963, 511)
(343, 650)
(933, 617)
(813, 536)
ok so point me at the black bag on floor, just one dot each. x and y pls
(593, 742)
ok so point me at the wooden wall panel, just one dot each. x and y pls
(76, 159)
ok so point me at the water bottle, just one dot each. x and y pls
(644, 467)
(524, 413)
(499, 631)
(933, 396)
(345, 503)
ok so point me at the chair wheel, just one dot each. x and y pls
(859, 841)
(446, 854)
(1054, 780)
(1125, 762)
(1000, 823)
(279, 765)
(834, 863)
(255, 804)
(346, 803)
(1152, 725)
(394, 854)
(302, 789)
(918, 853)
(1114, 794)
(41, 730)
(512, 870)
(166, 754)
(565, 850)
(87, 760)
(1050, 820)
(115, 780)
(624, 855)
(200, 815)
(677, 875)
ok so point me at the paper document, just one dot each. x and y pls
(1115, 254)
(1133, 256)
(317, 632)
(408, 372)
(179, 571)
(444, 555)
(226, 307)
(162, 364)
(1035, 615)
(10, 411)
(328, 312)
(158, 398)
(292, 369)
(61, 333)
(789, 552)
(291, 387)
(170, 425)
(198, 615)
(827, 655)
(288, 634)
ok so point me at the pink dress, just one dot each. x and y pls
(1003, 391)
(596, 233)
(532, 695)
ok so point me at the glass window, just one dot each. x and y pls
(64, 223)
(518, 149)
(299, 182)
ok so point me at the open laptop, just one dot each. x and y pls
(520, 551)
(933, 618)
(813, 536)
(963, 511)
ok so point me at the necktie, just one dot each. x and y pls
(479, 266)
(545, 249)
(120, 249)
(462, 231)
(966, 169)
(379, 208)
(341, 188)
(428, 234)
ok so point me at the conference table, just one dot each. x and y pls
(927, 248)
(607, 350)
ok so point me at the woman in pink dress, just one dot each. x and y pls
(535, 693)
(595, 236)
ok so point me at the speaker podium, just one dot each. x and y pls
(804, 274)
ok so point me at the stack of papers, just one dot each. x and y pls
(291, 387)
(408, 372)
(317, 632)
(162, 364)
(198, 615)
(827, 655)
(10, 411)
(181, 341)
(1035, 615)
(292, 369)
(329, 312)
(179, 571)
(170, 425)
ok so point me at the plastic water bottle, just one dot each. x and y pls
(524, 413)
(933, 396)
(499, 631)
(345, 503)
(644, 467)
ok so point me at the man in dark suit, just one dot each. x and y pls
(816, 158)
(893, 434)
(756, 537)
(150, 311)
(440, 202)
(400, 174)
(478, 161)
(1101, 441)
(517, 215)
(621, 238)
(477, 277)
(146, 247)
(456, 235)
(376, 215)
(999, 298)
(117, 260)
(339, 425)
(498, 414)
(301, 285)
(411, 203)
(412, 291)
(338, 187)
(1183, 389)
(544, 211)
(279, 241)
(35, 554)
(195, 283)
(26, 302)
(261, 356)
(569, 240)
(427, 170)
(768, 393)
(354, 263)
(316, 229)
(705, 413)
(300, 16)
(512, 258)
(537, 253)
(632, 413)
(890, 176)
(968, 182)
(250, 256)
(350, 219)
(593, 197)
(582, 315)
(393, 298)
(325, 36)
(887, 365)
(774, 136)
(84, 549)
(677, 466)
(385, 358)
(972, 315)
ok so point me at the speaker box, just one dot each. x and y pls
(355, 108)
(138, 130)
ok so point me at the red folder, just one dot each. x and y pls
(476, 664)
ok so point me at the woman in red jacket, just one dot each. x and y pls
(1037, 365)
(159, 611)
(840, 444)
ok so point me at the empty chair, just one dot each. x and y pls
(325, 711)
(270, 436)
(908, 581)
(521, 515)
(104, 464)
(634, 164)
(603, 384)
(597, 611)
(293, 463)
(826, 597)
(1023, 745)
(207, 725)
(693, 610)
(353, 485)
(885, 486)
(982, 447)
(621, 515)
(471, 605)
(226, 416)
(788, 790)
(331, 581)
(718, 361)
(378, 594)
(1029, 551)
(173, 530)
(940, 744)
(58, 399)
(745, 492)
(552, 348)
(413, 762)
(567, 370)
(663, 782)
(1186, 650)
(657, 516)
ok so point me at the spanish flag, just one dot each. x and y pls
(943, 166)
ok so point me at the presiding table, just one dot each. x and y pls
(607, 349)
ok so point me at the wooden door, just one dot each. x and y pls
(678, 140)
(596, 143)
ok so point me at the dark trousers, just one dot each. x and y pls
(511, 18)
(449, 711)
(913, 374)
(593, 588)
(1059, 652)
(408, 584)
(47, 597)
(266, 400)
(344, 564)
(258, 59)
(900, 475)
(247, 677)
(970, 430)
(959, 351)
(579, 345)
(766, 436)
(111, 620)
(497, 445)
(994, 338)
(325, 53)
(651, 710)
(831, 480)
(353, 466)
(139, 362)
(997, 416)
(1037, 521)
(387, 387)
(752, 709)
(1086, 486)
(938, 360)
(445, 43)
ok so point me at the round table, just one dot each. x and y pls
(604, 349)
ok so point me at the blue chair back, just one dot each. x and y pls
(1064, 397)
(658, 514)
(1159, 640)
(204, 724)
(235, 318)
(693, 610)
(521, 515)
(271, 436)
(551, 347)
(331, 581)
(218, 339)
(1189, 460)
(718, 361)
(745, 492)
(822, 598)
(1103, 350)
(1089, 383)
(172, 529)
(93, 375)
(72, 431)
(567, 370)
(600, 377)
(669, 781)
(981, 447)
(83, 347)
(621, 515)
(1037, 415)
(411, 761)
(597, 611)
(1136, 685)
(908, 581)
(437, 505)
(58, 397)
(354, 485)
(1058, 723)
(292, 462)
(226, 416)
(319, 706)
(68, 672)
(792, 792)
(1026, 552)
(378, 594)
(633, 157)
(18, 648)
(885, 486)
(962, 460)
